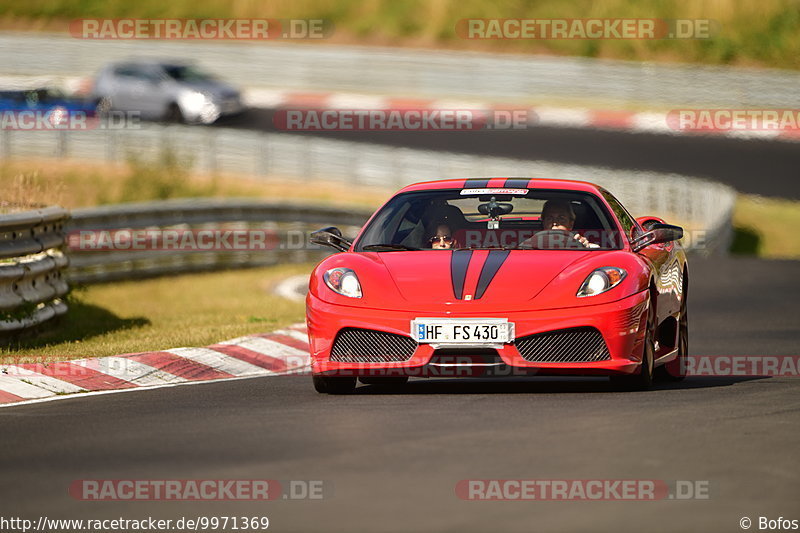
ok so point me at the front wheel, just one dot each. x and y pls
(334, 385)
(675, 370)
(103, 106)
(173, 114)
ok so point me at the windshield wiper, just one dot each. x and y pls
(388, 248)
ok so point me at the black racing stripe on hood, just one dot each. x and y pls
(492, 264)
(459, 263)
(516, 183)
(476, 183)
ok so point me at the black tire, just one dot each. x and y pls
(643, 379)
(320, 384)
(675, 370)
(384, 381)
(334, 385)
(173, 114)
(103, 106)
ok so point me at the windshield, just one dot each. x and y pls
(463, 219)
(187, 73)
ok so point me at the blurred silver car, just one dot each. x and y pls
(173, 91)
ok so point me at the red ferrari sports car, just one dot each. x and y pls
(499, 277)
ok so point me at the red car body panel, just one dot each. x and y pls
(535, 290)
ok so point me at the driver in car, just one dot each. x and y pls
(559, 215)
(443, 239)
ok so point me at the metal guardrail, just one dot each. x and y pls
(427, 74)
(31, 268)
(288, 224)
(692, 202)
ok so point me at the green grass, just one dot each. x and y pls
(766, 227)
(163, 313)
(752, 32)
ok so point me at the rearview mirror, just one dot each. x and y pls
(658, 234)
(495, 209)
(331, 237)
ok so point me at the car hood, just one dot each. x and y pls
(466, 279)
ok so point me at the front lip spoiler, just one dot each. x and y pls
(467, 364)
(482, 370)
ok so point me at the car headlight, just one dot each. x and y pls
(58, 116)
(194, 100)
(343, 281)
(601, 280)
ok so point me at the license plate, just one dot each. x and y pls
(462, 330)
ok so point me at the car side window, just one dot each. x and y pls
(135, 72)
(628, 223)
(127, 71)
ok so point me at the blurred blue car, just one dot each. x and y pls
(50, 102)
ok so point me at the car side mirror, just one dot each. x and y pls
(331, 237)
(649, 221)
(658, 233)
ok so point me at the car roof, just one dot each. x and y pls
(153, 61)
(505, 183)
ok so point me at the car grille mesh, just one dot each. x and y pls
(578, 345)
(353, 345)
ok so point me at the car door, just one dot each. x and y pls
(117, 85)
(144, 90)
(670, 275)
(662, 258)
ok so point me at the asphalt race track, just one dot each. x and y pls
(753, 166)
(390, 461)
